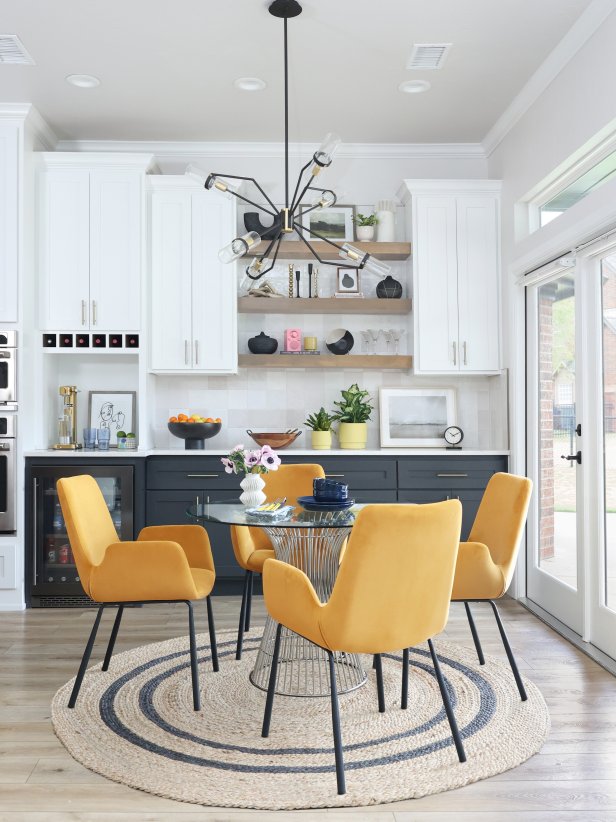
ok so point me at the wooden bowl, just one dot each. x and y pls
(275, 439)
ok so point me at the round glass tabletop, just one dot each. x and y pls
(236, 514)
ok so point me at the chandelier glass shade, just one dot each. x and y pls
(307, 196)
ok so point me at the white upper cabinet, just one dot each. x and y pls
(193, 295)
(91, 236)
(10, 139)
(456, 273)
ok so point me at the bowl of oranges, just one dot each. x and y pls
(194, 429)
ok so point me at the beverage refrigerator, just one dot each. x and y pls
(51, 573)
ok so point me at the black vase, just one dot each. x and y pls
(389, 289)
(262, 344)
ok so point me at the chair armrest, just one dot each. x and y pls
(137, 571)
(291, 599)
(194, 540)
(477, 576)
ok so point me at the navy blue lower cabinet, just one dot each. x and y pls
(369, 497)
(169, 508)
(470, 500)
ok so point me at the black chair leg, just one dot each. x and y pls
(448, 709)
(374, 656)
(271, 688)
(379, 683)
(240, 630)
(404, 702)
(113, 637)
(212, 628)
(194, 671)
(509, 652)
(249, 601)
(473, 628)
(336, 724)
(85, 658)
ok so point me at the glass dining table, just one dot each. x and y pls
(311, 541)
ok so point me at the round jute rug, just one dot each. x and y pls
(135, 724)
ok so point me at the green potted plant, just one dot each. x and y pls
(321, 424)
(354, 411)
(364, 226)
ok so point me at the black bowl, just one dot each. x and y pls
(262, 344)
(339, 341)
(194, 433)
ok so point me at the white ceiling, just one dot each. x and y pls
(167, 68)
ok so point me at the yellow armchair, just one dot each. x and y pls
(165, 564)
(392, 591)
(252, 546)
(487, 561)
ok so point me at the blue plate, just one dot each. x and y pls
(311, 504)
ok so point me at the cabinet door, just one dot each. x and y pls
(115, 250)
(64, 234)
(9, 221)
(169, 508)
(435, 304)
(214, 286)
(171, 331)
(478, 281)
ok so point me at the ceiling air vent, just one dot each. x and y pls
(12, 51)
(428, 56)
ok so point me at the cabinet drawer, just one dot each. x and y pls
(443, 472)
(470, 502)
(189, 473)
(361, 472)
(369, 497)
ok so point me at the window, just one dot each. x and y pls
(599, 174)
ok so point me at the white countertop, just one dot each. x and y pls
(285, 452)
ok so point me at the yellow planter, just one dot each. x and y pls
(321, 440)
(353, 435)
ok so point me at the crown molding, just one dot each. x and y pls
(579, 34)
(30, 117)
(179, 151)
(137, 161)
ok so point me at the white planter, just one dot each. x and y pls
(364, 233)
(252, 490)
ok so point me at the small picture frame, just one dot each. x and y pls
(347, 281)
(115, 410)
(335, 223)
(416, 417)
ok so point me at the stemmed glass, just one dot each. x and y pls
(395, 336)
(365, 342)
(374, 334)
(387, 336)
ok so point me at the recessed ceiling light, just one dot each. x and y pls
(83, 80)
(414, 86)
(250, 84)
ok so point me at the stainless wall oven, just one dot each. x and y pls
(8, 467)
(8, 366)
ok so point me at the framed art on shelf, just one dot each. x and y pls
(416, 417)
(347, 282)
(335, 223)
(115, 410)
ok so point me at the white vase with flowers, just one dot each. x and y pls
(253, 464)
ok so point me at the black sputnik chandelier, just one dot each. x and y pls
(307, 196)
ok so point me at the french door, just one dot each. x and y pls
(571, 437)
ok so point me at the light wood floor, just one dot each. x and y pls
(572, 778)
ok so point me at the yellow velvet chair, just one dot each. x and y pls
(486, 562)
(167, 563)
(252, 546)
(392, 591)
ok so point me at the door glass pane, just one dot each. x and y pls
(557, 438)
(608, 272)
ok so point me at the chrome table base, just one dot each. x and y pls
(303, 667)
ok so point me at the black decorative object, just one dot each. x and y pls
(66, 340)
(82, 340)
(306, 198)
(194, 434)
(389, 289)
(262, 344)
(49, 340)
(252, 222)
(339, 341)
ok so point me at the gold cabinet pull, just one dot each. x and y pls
(93, 312)
(83, 312)
(455, 353)
(464, 349)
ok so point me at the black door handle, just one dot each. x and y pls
(577, 457)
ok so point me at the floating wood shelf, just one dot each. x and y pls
(296, 250)
(348, 361)
(322, 305)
